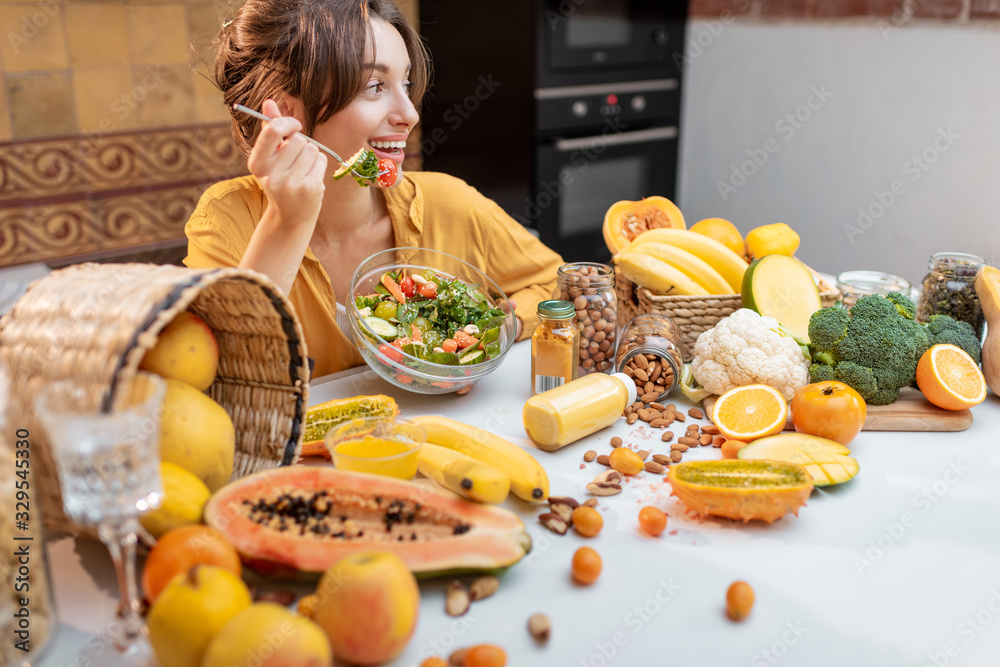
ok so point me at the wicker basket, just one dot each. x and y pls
(94, 323)
(693, 314)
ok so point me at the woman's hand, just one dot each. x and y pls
(291, 170)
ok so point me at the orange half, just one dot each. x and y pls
(750, 412)
(950, 379)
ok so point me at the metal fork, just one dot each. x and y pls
(329, 151)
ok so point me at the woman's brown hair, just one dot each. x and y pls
(313, 50)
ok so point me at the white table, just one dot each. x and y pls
(900, 566)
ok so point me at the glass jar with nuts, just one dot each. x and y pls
(590, 287)
(650, 353)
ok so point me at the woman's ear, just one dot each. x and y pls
(291, 106)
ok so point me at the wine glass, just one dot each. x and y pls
(107, 454)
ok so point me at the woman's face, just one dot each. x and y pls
(382, 115)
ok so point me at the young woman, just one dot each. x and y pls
(347, 73)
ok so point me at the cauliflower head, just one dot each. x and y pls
(746, 348)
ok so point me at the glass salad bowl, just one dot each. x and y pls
(449, 331)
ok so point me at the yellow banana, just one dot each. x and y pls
(654, 274)
(687, 263)
(730, 265)
(463, 474)
(528, 480)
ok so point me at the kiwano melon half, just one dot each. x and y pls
(297, 521)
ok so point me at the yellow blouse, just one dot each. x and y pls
(427, 210)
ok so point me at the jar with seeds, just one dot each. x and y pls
(649, 352)
(590, 287)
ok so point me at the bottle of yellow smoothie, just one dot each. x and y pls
(557, 417)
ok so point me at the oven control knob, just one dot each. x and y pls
(579, 108)
(638, 103)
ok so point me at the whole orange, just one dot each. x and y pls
(179, 549)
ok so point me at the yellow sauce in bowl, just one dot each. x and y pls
(378, 456)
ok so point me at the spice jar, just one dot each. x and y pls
(949, 289)
(590, 287)
(650, 354)
(555, 346)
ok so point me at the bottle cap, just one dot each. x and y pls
(629, 385)
(556, 310)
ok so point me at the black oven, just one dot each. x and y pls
(556, 109)
(581, 177)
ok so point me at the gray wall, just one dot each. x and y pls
(807, 123)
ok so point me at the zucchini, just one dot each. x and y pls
(385, 329)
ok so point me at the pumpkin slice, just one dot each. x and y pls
(782, 287)
(743, 490)
(625, 220)
(297, 521)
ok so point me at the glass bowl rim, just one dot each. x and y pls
(411, 446)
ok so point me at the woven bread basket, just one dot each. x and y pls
(693, 314)
(93, 323)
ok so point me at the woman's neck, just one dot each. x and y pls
(348, 210)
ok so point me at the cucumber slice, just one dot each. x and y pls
(349, 164)
(472, 357)
(385, 330)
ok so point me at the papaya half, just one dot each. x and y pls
(296, 521)
(625, 220)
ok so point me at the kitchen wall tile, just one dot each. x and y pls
(209, 107)
(98, 35)
(985, 9)
(203, 25)
(41, 104)
(717, 8)
(843, 8)
(940, 9)
(168, 95)
(784, 8)
(34, 38)
(104, 99)
(158, 34)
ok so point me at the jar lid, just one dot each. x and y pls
(556, 310)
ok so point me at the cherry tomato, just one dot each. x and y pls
(408, 287)
(387, 179)
(430, 290)
(390, 352)
(831, 410)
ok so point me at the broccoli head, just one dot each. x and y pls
(874, 347)
(946, 329)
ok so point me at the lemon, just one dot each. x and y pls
(184, 497)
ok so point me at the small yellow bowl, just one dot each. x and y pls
(377, 445)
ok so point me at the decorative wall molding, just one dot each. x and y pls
(75, 195)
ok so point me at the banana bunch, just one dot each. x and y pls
(682, 262)
(477, 464)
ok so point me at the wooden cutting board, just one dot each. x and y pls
(910, 412)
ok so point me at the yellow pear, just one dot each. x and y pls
(197, 434)
(184, 498)
(186, 350)
(189, 612)
(266, 634)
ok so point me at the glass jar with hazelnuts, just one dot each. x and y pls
(590, 287)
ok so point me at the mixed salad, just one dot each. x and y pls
(432, 317)
(367, 169)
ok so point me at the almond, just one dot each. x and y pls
(696, 413)
(590, 502)
(679, 447)
(667, 436)
(589, 455)
(685, 440)
(706, 440)
(631, 418)
(710, 429)
(679, 416)
(643, 454)
(540, 627)
(661, 459)
(603, 460)
(654, 467)
(616, 441)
